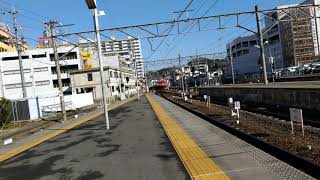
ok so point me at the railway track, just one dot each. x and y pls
(296, 160)
(310, 118)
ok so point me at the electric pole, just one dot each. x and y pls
(135, 71)
(51, 25)
(182, 83)
(18, 47)
(261, 44)
(231, 62)
(120, 66)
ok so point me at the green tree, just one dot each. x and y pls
(5, 111)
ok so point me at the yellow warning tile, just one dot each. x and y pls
(195, 160)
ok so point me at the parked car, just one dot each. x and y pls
(316, 69)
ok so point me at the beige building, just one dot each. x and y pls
(7, 40)
(88, 80)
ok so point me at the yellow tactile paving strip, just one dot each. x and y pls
(195, 160)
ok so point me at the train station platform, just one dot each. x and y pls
(134, 148)
(211, 153)
(149, 138)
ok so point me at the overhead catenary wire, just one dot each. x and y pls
(42, 18)
(171, 27)
(193, 24)
(251, 22)
(230, 34)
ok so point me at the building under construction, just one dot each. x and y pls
(291, 37)
(299, 33)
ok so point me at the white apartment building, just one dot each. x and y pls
(245, 54)
(289, 42)
(88, 80)
(129, 48)
(39, 70)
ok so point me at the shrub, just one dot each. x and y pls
(5, 111)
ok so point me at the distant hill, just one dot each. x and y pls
(214, 64)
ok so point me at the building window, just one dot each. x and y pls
(65, 83)
(11, 72)
(70, 56)
(112, 88)
(39, 56)
(89, 77)
(65, 69)
(42, 83)
(245, 44)
(253, 43)
(42, 69)
(18, 85)
(245, 51)
(238, 46)
(14, 58)
(111, 74)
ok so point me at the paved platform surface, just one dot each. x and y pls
(237, 159)
(135, 148)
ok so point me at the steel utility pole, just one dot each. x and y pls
(120, 67)
(182, 83)
(16, 26)
(102, 79)
(133, 57)
(231, 62)
(271, 60)
(51, 25)
(261, 45)
(207, 71)
(136, 75)
(193, 63)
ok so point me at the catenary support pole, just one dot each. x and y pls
(182, 76)
(261, 45)
(136, 74)
(231, 63)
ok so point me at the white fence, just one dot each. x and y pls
(44, 106)
(75, 101)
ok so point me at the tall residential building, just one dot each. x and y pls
(292, 40)
(126, 48)
(39, 71)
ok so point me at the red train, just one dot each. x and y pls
(160, 84)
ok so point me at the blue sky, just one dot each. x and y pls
(131, 12)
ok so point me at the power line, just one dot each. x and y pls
(186, 57)
(286, 1)
(26, 10)
(192, 26)
(169, 30)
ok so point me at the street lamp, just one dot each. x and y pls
(93, 5)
